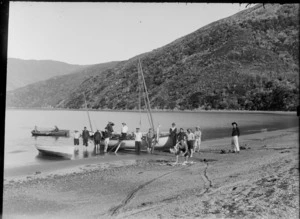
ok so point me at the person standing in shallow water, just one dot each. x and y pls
(97, 139)
(235, 138)
(138, 140)
(173, 134)
(85, 136)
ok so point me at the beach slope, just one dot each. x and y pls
(262, 181)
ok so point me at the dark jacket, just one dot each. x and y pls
(235, 131)
(109, 128)
(181, 136)
(173, 133)
(97, 136)
(85, 134)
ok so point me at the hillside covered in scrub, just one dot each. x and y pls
(247, 61)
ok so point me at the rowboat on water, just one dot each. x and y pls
(57, 151)
(61, 132)
(50, 133)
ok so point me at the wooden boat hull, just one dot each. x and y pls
(58, 151)
(164, 143)
(51, 133)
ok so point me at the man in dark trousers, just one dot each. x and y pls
(173, 134)
(85, 136)
(97, 139)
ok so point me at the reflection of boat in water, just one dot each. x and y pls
(161, 141)
(58, 151)
(60, 132)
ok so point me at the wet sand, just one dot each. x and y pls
(260, 182)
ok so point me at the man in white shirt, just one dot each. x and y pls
(138, 140)
(124, 130)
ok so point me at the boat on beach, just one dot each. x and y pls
(57, 151)
(162, 141)
(61, 132)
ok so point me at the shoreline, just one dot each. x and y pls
(261, 181)
(62, 167)
(159, 110)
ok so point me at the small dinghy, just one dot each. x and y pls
(58, 151)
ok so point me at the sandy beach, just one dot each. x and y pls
(262, 181)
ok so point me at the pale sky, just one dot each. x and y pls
(91, 33)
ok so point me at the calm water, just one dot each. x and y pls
(20, 144)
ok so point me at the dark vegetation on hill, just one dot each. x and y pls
(247, 61)
(23, 72)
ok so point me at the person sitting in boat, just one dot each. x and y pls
(35, 129)
(109, 127)
(56, 129)
(173, 134)
(124, 131)
(85, 136)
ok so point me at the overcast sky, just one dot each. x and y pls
(90, 33)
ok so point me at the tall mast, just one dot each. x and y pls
(88, 113)
(148, 102)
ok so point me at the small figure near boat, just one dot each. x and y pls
(55, 129)
(138, 140)
(198, 135)
(76, 140)
(173, 134)
(124, 130)
(97, 139)
(85, 136)
(190, 141)
(150, 136)
(108, 134)
(235, 138)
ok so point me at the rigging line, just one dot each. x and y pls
(148, 102)
(144, 97)
(139, 100)
(88, 113)
(148, 116)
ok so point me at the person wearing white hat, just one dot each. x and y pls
(124, 130)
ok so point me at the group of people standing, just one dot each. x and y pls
(189, 143)
(108, 133)
(97, 136)
(186, 143)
